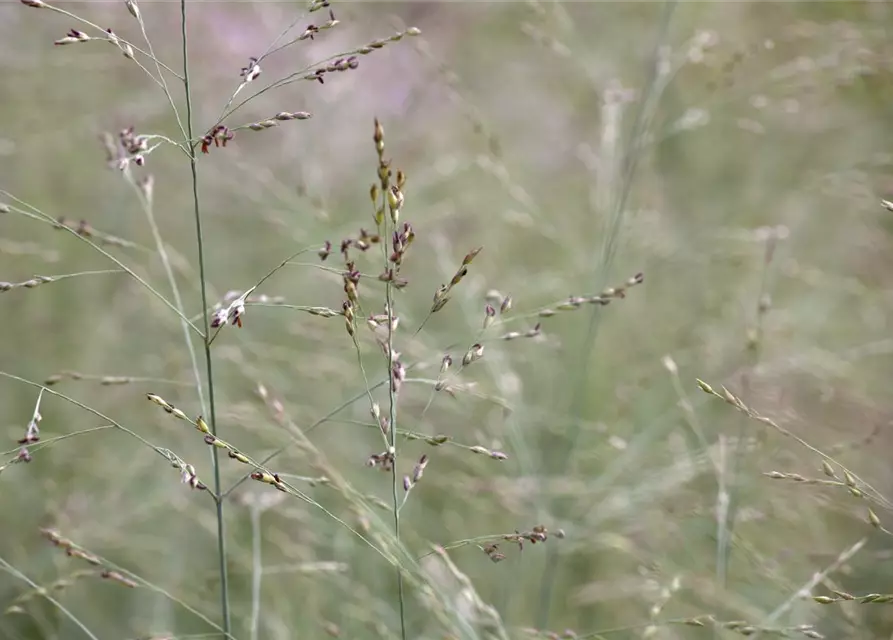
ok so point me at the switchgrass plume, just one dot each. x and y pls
(107, 380)
(45, 594)
(99, 568)
(857, 485)
(362, 507)
(455, 585)
(805, 590)
(366, 480)
(848, 483)
(741, 628)
(81, 228)
(85, 234)
(32, 435)
(133, 148)
(25, 452)
(37, 281)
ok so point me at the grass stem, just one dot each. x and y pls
(218, 498)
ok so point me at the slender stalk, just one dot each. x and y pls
(218, 498)
(392, 402)
(48, 219)
(733, 477)
(392, 417)
(161, 79)
(256, 570)
(383, 224)
(148, 209)
(45, 593)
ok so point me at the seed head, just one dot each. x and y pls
(398, 375)
(470, 256)
(475, 353)
(161, 402)
(133, 9)
(189, 476)
(419, 468)
(332, 21)
(349, 317)
(236, 311)
(251, 71)
(378, 136)
(489, 316)
(395, 197)
(72, 37)
(218, 319)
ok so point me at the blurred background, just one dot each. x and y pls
(736, 154)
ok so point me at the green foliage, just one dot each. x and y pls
(575, 471)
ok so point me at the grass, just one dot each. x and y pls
(564, 468)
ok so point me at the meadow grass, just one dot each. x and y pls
(474, 321)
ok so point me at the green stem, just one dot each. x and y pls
(218, 499)
(392, 406)
(392, 401)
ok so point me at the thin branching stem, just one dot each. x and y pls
(47, 219)
(149, 211)
(392, 411)
(46, 594)
(161, 79)
(392, 406)
(92, 25)
(731, 480)
(117, 425)
(221, 540)
(256, 571)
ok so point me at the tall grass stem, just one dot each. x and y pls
(218, 498)
(392, 415)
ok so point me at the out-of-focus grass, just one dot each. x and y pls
(774, 126)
